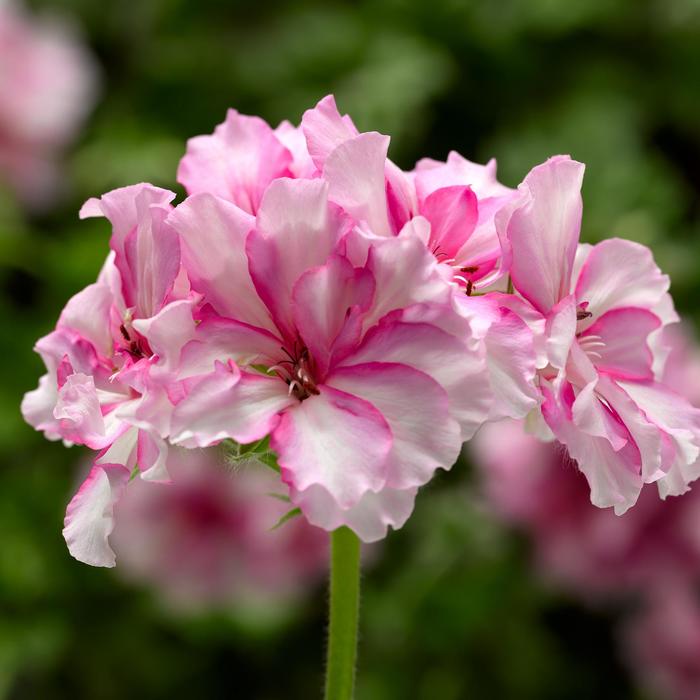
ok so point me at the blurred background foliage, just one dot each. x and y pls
(450, 609)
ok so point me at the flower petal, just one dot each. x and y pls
(296, 230)
(618, 273)
(336, 441)
(441, 356)
(623, 348)
(417, 410)
(325, 129)
(327, 306)
(543, 231)
(369, 519)
(90, 515)
(229, 404)
(213, 234)
(355, 174)
(452, 213)
(236, 162)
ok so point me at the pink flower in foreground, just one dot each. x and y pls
(47, 86)
(597, 312)
(341, 357)
(207, 539)
(109, 360)
(458, 199)
(451, 206)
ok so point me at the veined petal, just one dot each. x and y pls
(417, 409)
(369, 519)
(443, 357)
(618, 273)
(229, 403)
(618, 342)
(90, 515)
(680, 421)
(236, 162)
(405, 272)
(327, 307)
(213, 234)
(296, 230)
(325, 129)
(543, 231)
(453, 213)
(614, 477)
(355, 174)
(168, 331)
(334, 440)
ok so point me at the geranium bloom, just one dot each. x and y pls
(47, 86)
(207, 539)
(598, 311)
(591, 551)
(650, 555)
(342, 359)
(451, 207)
(115, 344)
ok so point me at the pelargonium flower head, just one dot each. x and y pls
(598, 312)
(47, 87)
(109, 359)
(208, 539)
(451, 207)
(343, 357)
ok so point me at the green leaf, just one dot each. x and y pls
(286, 517)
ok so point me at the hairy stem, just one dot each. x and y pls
(344, 615)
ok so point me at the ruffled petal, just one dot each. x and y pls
(417, 409)
(90, 515)
(370, 518)
(296, 230)
(355, 174)
(327, 306)
(325, 129)
(543, 231)
(213, 234)
(229, 403)
(236, 162)
(443, 357)
(618, 273)
(334, 440)
(618, 343)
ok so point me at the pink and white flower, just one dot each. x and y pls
(109, 360)
(458, 198)
(48, 82)
(341, 358)
(597, 312)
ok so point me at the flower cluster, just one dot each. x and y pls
(48, 82)
(359, 321)
(651, 555)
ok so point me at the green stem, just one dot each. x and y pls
(344, 615)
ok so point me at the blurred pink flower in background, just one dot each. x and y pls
(206, 540)
(651, 553)
(48, 84)
(662, 643)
